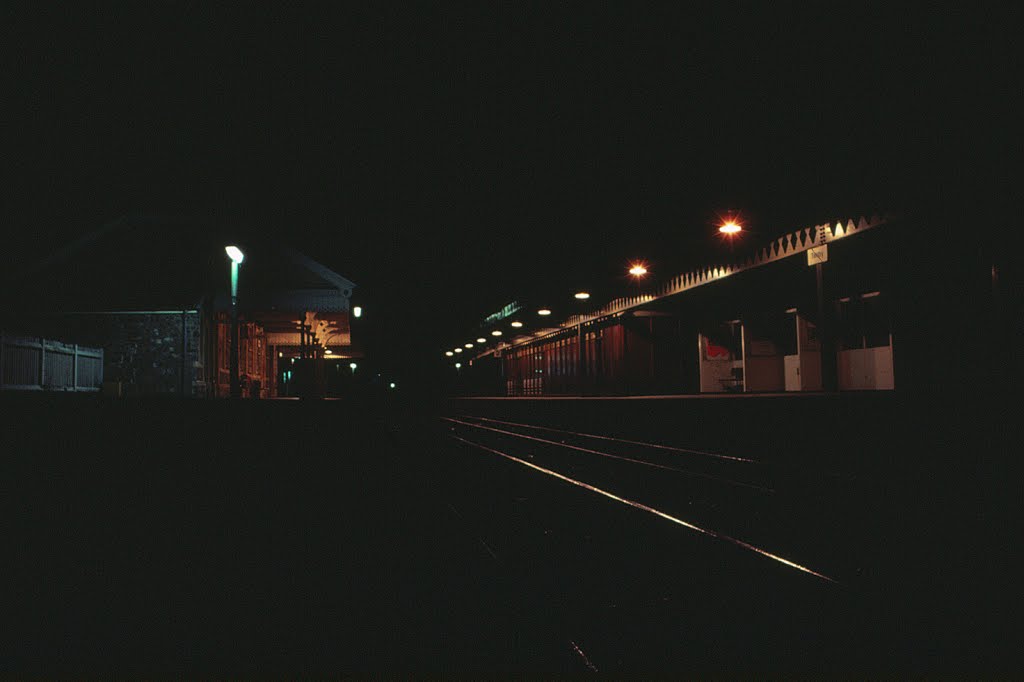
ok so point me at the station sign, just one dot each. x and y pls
(509, 310)
(817, 255)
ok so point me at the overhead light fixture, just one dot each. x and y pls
(357, 311)
(235, 254)
(458, 350)
(449, 353)
(496, 332)
(543, 311)
(582, 295)
(458, 364)
(730, 227)
(638, 270)
(481, 340)
(469, 345)
(517, 324)
(328, 351)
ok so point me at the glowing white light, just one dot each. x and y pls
(280, 354)
(458, 365)
(328, 352)
(517, 324)
(469, 345)
(496, 333)
(582, 295)
(458, 350)
(543, 311)
(235, 254)
(481, 340)
(391, 385)
(449, 353)
(357, 311)
(638, 270)
(730, 227)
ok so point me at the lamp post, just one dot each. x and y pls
(236, 256)
(829, 378)
(581, 358)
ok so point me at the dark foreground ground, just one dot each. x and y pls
(285, 537)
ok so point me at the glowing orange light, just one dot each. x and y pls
(730, 227)
(638, 270)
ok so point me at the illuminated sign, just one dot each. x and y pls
(511, 309)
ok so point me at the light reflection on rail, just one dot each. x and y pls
(651, 510)
(655, 465)
(617, 440)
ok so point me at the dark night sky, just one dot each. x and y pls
(448, 159)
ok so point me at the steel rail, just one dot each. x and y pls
(656, 512)
(617, 440)
(611, 456)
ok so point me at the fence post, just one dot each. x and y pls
(184, 353)
(42, 363)
(74, 371)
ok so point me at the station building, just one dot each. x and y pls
(847, 306)
(151, 295)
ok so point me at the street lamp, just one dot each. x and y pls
(829, 371)
(638, 270)
(352, 366)
(236, 256)
(581, 360)
(730, 227)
